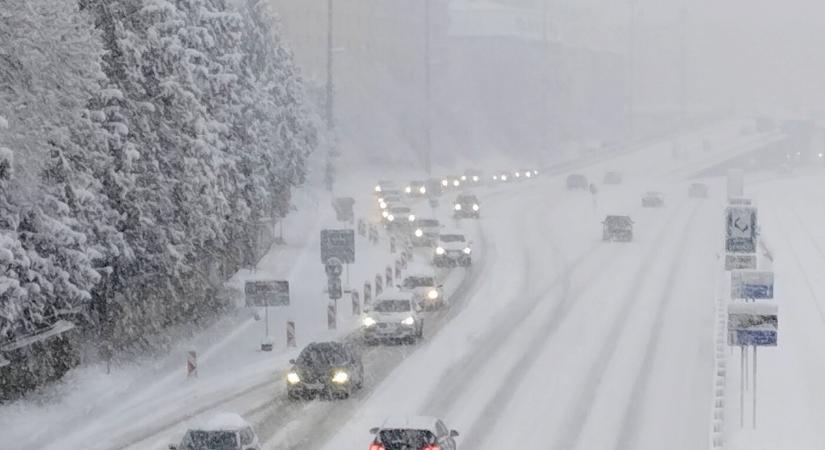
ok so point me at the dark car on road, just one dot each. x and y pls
(653, 200)
(617, 228)
(612, 177)
(698, 190)
(577, 181)
(331, 369)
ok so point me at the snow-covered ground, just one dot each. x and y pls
(790, 389)
(554, 339)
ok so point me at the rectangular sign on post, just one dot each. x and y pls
(266, 293)
(338, 244)
(740, 229)
(757, 285)
(740, 261)
(752, 324)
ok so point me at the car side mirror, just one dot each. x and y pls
(453, 433)
(292, 361)
(374, 430)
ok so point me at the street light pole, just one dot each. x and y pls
(631, 72)
(329, 175)
(427, 94)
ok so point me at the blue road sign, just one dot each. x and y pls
(762, 338)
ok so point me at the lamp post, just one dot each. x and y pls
(427, 93)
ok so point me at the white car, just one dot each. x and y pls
(399, 216)
(416, 188)
(426, 232)
(383, 186)
(393, 316)
(452, 249)
(225, 431)
(421, 281)
(413, 433)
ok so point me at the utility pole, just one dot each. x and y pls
(683, 66)
(329, 175)
(545, 88)
(428, 144)
(631, 71)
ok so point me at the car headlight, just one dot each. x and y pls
(377, 188)
(467, 250)
(390, 217)
(464, 178)
(456, 183)
(408, 189)
(422, 190)
(293, 378)
(457, 206)
(433, 294)
(518, 175)
(419, 232)
(411, 217)
(495, 177)
(385, 213)
(369, 321)
(340, 377)
(528, 174)
(382, 205)
(408, 321)
(504, 178)
(536, 172)
(445, 183)
(475, 178)
(439, 250)
(475, 207)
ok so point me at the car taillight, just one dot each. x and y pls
(376, 446)
(431, 447)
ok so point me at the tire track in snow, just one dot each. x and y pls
(589, 387)
(496, 405)
(630, 424)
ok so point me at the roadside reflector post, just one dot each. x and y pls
(356, 303)
(398, 270)
(379, 285)
(392, 244)
(191, 364)
(388, 276)
(290, 334)
(367, 293)
(332, 315)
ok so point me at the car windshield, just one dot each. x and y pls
(414, 282)
(468, 199)
(400, 210)
(390, 306)
(427, 223)
(452, 238)
(322, 355)
(210, 440)
(406, 439)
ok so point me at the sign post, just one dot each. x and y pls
(752, 285)
(265, 294)
(755, 325)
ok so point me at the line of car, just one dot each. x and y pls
(619, 228)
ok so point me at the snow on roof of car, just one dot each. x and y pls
(420, 269)
(225, 421)
(395, 294)
(410, 423)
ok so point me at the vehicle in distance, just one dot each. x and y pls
(434, 187)
(387, 198)
(617, 228)
(502, 177)
(698, 190)
(393, 316)
(450, 182)
(382, 186)
(426, 232)
(421, 281)
(523, 174)
(405, 433)
(452, 249)
(225, 431)
(612, 177)
(466, 205)
(653, 199)
(331, 369)
(576, 181)
(472, 177)
(416, 189)
(399, 217)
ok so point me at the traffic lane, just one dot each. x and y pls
(575, 323)
(420, 378)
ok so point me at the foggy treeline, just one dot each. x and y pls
(145, 143)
